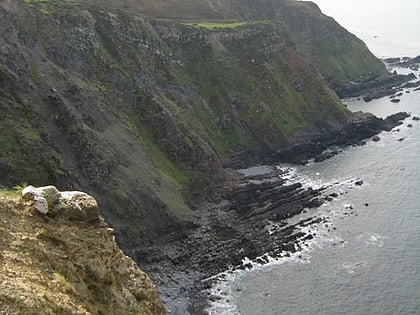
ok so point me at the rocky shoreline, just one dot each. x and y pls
(374, 88)
(247, 222)
(390, 84)
(248, 219)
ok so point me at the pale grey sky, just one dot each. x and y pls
(396, 23)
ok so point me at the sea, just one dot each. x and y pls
(365, 256)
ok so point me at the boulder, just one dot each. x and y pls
(376, 138)
(77, 206)
(71, 205)
(41, 204)
(415, 118)
(50, 193)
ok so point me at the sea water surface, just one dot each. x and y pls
(365, 256)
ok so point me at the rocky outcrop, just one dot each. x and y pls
(70, 205)
(390, 84)
(373, 88)
(361, 126)
(58, 265)
(405, 62)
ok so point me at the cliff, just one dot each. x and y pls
(61, 264)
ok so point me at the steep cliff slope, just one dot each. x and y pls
(144, 113)
(53, 265)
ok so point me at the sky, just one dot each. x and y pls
(390, 28)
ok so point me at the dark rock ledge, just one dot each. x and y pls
(389, 84)
(374, 88)
(316, 144)
(405, 62)
(361, 126)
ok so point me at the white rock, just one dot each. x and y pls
(78, 206)
(50, 193)
(72, 194)
(28, 193)
(72, 205)
(41, 204)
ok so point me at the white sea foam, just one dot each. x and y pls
(221, 294)
(352, 267)
(256, 170)
(291, 175)
(372, 239)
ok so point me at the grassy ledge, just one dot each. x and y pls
(213, 25)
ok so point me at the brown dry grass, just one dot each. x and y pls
(60, 267)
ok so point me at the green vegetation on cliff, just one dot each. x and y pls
(24, 154)
(216, 25)
(338, 55)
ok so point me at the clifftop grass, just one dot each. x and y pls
(209, 25)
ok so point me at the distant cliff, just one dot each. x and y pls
(144, 108)
(66, 261)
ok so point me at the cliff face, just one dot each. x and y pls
(143, 113)
(52, 264)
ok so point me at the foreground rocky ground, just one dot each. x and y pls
(66, 262)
